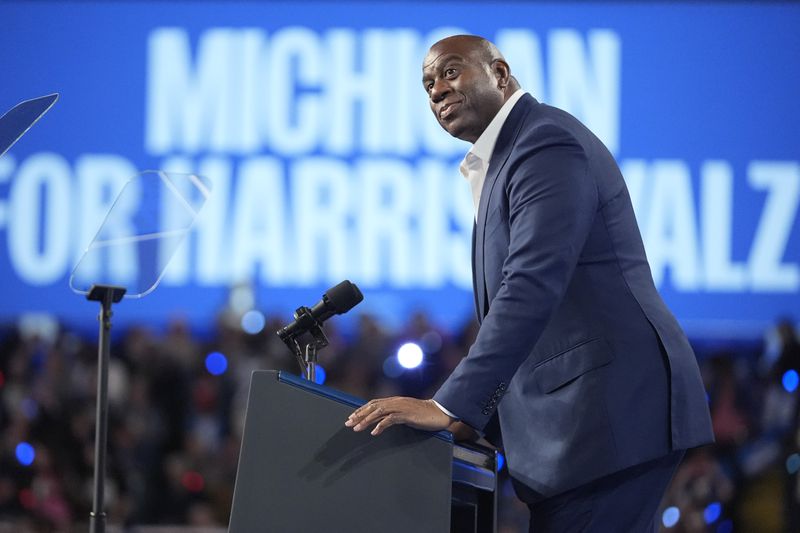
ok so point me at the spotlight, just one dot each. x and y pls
(409, 355)
(216, 363)
(320, 375)
(790, 380)
(670, 516)
(253, 322)
(25, 454)
(712, 512)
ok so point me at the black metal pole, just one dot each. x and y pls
(106, 295)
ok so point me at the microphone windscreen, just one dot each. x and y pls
(343, 297)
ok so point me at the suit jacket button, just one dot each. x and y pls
(486, 411)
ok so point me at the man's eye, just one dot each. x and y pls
(450, 72)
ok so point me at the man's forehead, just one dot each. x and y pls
(437, 58)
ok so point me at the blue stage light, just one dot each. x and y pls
(790, 380)
(409, 355)
(253, 322)
(320, 375)
(670, 516)
(712, 512)
(216, 363)
(25, 454)
(793, 463)
(501, 461)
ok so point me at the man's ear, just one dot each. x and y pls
(502, 73)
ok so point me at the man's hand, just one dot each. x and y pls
(386, 412)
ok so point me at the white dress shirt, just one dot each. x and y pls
(476, 164)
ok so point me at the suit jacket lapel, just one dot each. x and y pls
(502, 149)
(475, 277)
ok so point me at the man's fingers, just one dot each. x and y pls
(387, 421)
(379, 412)
(387, 412)
(363, 411)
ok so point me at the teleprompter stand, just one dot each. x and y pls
(131, 264)
(106, 295)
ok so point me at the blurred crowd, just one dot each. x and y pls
(176, 416)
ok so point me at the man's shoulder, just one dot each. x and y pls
(541, 125)
(541, 118)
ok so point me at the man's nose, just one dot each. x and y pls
(439, 90)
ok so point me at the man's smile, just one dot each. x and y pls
(448, 109)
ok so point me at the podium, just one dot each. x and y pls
(301, 470)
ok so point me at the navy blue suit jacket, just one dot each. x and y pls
(578, 365)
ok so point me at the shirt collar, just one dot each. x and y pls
(484, 146)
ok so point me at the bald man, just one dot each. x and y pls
(579, 371)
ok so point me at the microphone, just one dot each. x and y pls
(336, 301)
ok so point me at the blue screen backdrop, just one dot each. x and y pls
(310, 120)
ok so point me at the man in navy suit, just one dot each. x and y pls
(579, 371)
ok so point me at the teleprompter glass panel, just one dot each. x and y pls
(141, 232)
(21, 117)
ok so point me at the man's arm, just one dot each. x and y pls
(552, 204)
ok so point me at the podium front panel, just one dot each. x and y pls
(301, 470)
